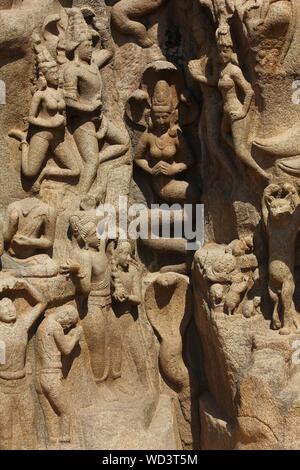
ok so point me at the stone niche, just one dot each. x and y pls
(111, 341)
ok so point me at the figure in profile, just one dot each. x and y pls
(57, 335)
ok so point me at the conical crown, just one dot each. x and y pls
(162, 98)
(224, 37)
(78, 30)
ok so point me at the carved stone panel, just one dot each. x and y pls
(131, 317)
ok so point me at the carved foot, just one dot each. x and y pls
(65, 438)
(285, 331)
(52, 442)
(289, 327)
(276, 324)
(18, 135)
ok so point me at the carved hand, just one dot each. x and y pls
(22, 240)
(79, 331)
(8, 283)
(196, 69)
(161, 168)
(103, 129)
(121, 295)
(164, 168)
(71, 267)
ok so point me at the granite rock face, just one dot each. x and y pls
(117, 329)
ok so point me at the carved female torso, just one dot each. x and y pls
(163, 147)
(227, 87)
(51, 107)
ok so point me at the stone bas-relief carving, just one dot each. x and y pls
(47, 120)
(28, 231)
(51, 343)
(246, 280)
(15, 386)
(113, 342)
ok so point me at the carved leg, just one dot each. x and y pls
(65, 157)
(53, 389)
(115, 345)
(289, 323)
(6, 421)
(119, 143)
(225, 130)
(51, 419)
(276, 323)
(27, 419)
(240, 147)
(95, 327)
(87, 143)
(34, 156)
(215, 146)
(33, 153)
(134, 336)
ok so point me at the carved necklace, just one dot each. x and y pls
(161, 143)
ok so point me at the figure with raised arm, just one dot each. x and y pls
(15, 390)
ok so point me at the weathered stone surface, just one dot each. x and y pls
(113, 112)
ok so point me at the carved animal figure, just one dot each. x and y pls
(281, 213)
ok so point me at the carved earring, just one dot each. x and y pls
(149, 121)
(41, 83)
(174, 118)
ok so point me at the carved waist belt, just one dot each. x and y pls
(20, 374)
(50, 370)
(99, 299)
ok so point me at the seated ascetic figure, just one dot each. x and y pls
(28, 232)
(163, 152)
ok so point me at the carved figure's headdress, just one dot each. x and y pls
(78, 30)
(84, 225)
(44, 59)
(67, 311)
(120, 245)
(224, 37)
(162, 98)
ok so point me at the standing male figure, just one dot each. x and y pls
(15, 391)
(58, 334)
